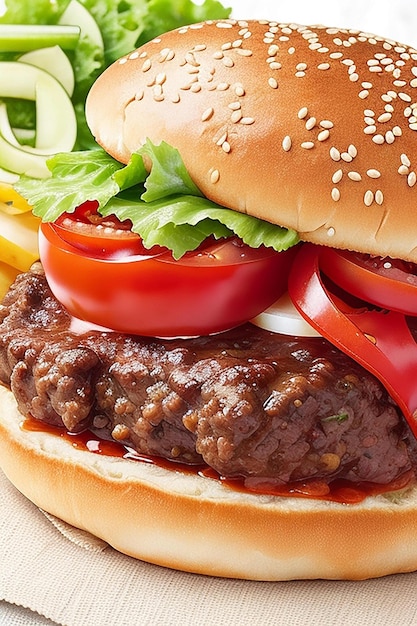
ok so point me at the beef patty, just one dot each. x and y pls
(247, 402)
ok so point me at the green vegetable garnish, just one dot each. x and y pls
(122, 26)
(165, 206)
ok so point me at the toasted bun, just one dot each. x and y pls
(312, 128)
(196, 524)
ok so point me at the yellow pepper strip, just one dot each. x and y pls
(19, 240)
(10, 201)
(7, 276)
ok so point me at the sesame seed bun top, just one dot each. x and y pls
(309, 127)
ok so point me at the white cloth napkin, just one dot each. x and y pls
(76, 580)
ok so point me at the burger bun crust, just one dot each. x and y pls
(196, 524)
(308, 127)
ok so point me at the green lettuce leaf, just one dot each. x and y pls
(165, 207)
(76, 178)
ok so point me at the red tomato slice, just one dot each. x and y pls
(103, 237)
(388, 283)
(219, 286)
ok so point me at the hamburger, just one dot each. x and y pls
(177, 426)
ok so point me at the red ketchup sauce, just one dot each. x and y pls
(339, 490)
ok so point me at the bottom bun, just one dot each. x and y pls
(196, 524)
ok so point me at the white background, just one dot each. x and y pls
(395, 19)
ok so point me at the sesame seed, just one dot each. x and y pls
(275, 66)
(244, 52)
(323, 135)
(405, 160)
(323, 66)
(337, 177)
(239, 91)
(214, 176)
(369, 120)
(403, 170)
(411, 179)
(228, 62)
(354, 77)
(355, 176)
(307, 145)
(404, 97)
(235, 106)
(222, 86)
(335, 197)
(218, 55)
(146, 65)
(226, 146)
(368, 198)
(272, 82)
(373, 173)
(379, 197)
(208, 113)
(160, 78)
(134, 55)
(301, 67)
(413, 126)
(326, 124)
(247, 120)
(363, 94)
(413, 82)
(385, 117)
(310, 123)
(389, 137)
(334, 154)
(302, 113)
(369, 130)
(236, 116)
(190, 59)
(352, 150)
(378, 139)
(221, 139)
(273, 50)
(331, 232)
(346, 157)
(300, 74)
(286, 143)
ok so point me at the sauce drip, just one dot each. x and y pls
(339, 490)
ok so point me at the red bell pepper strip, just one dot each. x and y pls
(379, 340)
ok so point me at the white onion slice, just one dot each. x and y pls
(282, 317)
